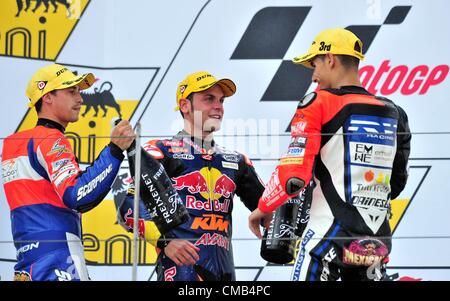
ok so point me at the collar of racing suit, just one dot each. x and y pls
(50, 124)
(208, 146)
(349, 90)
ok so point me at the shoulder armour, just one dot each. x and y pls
(307, 99)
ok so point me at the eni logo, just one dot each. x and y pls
(30, 29)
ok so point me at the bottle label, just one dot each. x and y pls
(174, 199)
(284, 231)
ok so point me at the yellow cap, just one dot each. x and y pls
(336, 41)
(201, 81)
(55, 77)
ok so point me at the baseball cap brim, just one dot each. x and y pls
(227, 85)
(304, 60)
(83, 81)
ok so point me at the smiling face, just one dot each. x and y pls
(62, 106)
(204, 114)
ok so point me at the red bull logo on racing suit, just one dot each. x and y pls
(211, 185)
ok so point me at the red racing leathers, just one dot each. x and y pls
(356, 147)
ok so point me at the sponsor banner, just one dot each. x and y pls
(371, 154)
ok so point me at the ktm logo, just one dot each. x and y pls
(210, 222)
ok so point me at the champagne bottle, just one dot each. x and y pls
(156, 191)
(278, 244)
(304, 209)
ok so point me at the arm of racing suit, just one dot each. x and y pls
(249, 186)
(79, 190)
(399, 168)
(299, 160)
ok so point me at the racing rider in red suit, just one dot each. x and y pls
(355, 146)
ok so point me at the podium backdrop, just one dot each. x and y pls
(139, 50)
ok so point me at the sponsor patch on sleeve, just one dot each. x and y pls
(298, 128)
(295, 152)
(58, 149)
(231, 158)
(290, 160)
(230, 165)
(299, 141)
(59, 163)
(151, 148)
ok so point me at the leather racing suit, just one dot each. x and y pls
(355, 146)
(207, 179)
(46, 192)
